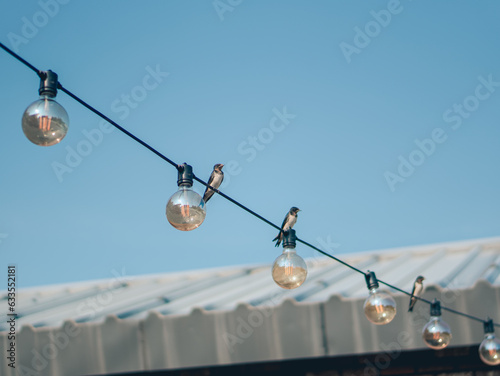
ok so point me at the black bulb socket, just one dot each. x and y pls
(48, 84)
(371, 280)
(488, 326)
(185, 175)
(289, 239)
(435, 308)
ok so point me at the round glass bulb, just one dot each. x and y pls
(489, 350)
(436, 333)
(45, 122)
(289, 269)
(186, 209)
(380, 308)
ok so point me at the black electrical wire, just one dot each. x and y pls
(116, 125)
(429, 302)
(237, 203)
(331, 256)
(9, 51)
(143, 143)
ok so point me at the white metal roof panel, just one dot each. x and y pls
(232, 315)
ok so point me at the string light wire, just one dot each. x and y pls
(255, 214)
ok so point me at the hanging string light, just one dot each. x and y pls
(289, 269)
(379, 307)
(185, 209)
(45, 122)
(436, 333)
(489, 350)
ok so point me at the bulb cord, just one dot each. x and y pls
(30, 66)
(116, 125)
(235, 202)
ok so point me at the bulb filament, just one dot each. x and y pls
(45, 123)
(185, 210)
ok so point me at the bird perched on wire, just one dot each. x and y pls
(288, 222)
(215, 181)
(418, 287)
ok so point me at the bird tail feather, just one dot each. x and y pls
(278, 239)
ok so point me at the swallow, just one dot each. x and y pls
(215, 181)
(288, 222)
(418, 287)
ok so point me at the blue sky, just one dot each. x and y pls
(379, 119)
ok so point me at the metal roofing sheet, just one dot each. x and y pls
(453, 265)
(242, 316)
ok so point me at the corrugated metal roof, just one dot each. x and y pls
(451, 265)
(238, 314)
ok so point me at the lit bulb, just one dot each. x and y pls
(436, 333)
(379, 307)
(45, 122)
(489, 350)
(289, 269)
(185, 209)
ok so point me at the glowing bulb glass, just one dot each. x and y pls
(489, 350)
(380, 308)
(436, 333)
(289, 269)
(45, 122)
(186, 209)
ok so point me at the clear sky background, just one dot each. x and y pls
(362, 87)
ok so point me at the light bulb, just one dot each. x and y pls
(45, 122)
(489, 350)
(289, 269)
(379, 307)
(185, 209)
(436, 333)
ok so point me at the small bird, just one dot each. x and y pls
(418, 287)
(288, 222)
(215, 181)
